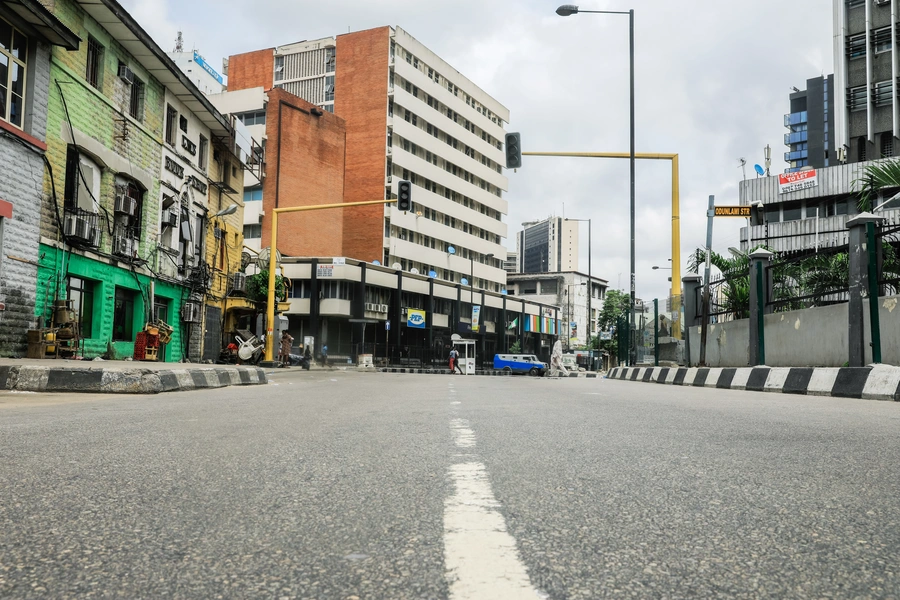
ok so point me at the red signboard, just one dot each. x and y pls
(801, 180)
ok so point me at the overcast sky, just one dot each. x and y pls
(712, 84)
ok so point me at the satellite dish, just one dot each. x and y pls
(262, 259)
(246, 259)
(396, 266)
(414, 271)
(759, 170)
(376, 262)
(464, 281)
(432, 274)
(451, 250)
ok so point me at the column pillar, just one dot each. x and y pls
(759, 262)
(859, 287)
(690, 301)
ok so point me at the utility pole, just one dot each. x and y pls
(704, 325)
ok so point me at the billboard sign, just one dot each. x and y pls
(794, 182)
(205, 66)
(415, 318)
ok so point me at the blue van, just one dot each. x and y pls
(520, 363)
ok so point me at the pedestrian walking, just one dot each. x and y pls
(286, 341)
(454, 362)
(325, 355)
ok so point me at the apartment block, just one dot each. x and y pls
(408, 115)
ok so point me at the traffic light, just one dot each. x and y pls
(513, 151)
(404, 195)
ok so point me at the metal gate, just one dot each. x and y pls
(212, 337)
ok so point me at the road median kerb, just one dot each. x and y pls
(34, 378)
(874, 382)
(488, 373)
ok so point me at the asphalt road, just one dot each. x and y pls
(346, 485)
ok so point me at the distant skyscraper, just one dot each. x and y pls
(546, 246)
(810, 124)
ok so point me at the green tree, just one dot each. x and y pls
(877, 177)
(735, 292)
(258, 287)
(615, 307)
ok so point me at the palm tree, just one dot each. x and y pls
(877, 177)
(735, 280)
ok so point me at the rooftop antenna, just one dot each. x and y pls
(179, 43)
(743, 167)
(768, 153)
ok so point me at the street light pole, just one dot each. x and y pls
(570, 9)
(590, 284)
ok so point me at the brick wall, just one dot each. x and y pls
(21, 183)
(360, 99)
(311, 172)
(251, 69)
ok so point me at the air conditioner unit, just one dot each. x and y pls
(371, 307)
(239, 283)
(81, 229)
(190, 312)
(126, 74)
(382, 308)
(125, 204)
(123, 246)
(169, 218)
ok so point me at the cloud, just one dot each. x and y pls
(712, 84)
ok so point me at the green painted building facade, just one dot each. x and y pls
(101, 215)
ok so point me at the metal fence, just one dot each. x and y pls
(889, 260)
(808, 279)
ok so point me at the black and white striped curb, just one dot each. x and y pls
(30, 378)
(878, 382)
(485, 372)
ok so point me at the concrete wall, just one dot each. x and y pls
(815, 337)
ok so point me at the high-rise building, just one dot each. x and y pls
(867, 110)
(810, 124)
(409, 116)
(547, 246)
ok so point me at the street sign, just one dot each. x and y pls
(387, 325)
(732, 211)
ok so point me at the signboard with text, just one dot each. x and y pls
(794, 182)
(324, 271)
(415, 318)
(732, 211)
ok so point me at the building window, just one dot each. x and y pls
(253, 194)
(329, 88)
(861, 144)
(13, 53)
(253, 231)
(123, 316)
(81, 293)
(171, 117)
(881, 39)
(856, 98)
(257, 117)
(136, 100)
(279, 68)
(329, 60)
(856, 46)
(887, 145)
(203, 153)
(183, 123)
(883, 93)
(82, 181)
(94, 62)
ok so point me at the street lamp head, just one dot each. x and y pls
(567, 10)
(229, 210)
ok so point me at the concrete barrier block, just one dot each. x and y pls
(776, 379)
(882, 383)
(32, 379)
(821, 382)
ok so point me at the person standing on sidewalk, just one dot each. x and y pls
(286, 341)
(324, 355)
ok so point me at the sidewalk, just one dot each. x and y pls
(120, 376)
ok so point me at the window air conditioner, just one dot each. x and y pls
(383, 308)
(190, 312)
(125, 204)
(239, 283)
(126, 74)
(371, 307)
(169, 218)
(123, 246)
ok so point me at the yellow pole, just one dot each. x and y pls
(676, 250)
(270, 306)
(676, 219)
